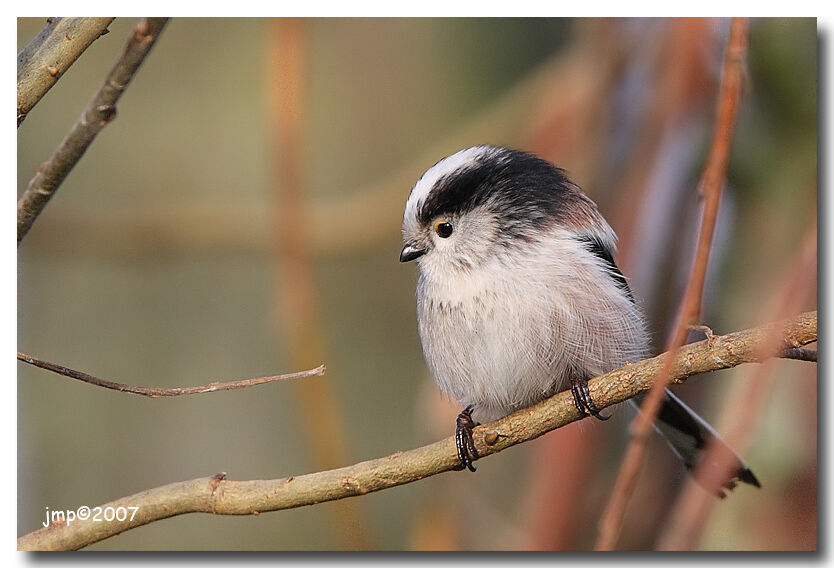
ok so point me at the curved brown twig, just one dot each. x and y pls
(153, 392)
(220, 496)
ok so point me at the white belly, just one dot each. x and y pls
(508, 344)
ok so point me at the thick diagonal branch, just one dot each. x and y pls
(50, 53)
(226, 497)
(99, 111)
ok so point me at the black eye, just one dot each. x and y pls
(444, 229)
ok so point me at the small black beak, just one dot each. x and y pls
(410, 253)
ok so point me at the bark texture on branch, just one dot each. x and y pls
(50, 53)
(98, 113)
(220, 496)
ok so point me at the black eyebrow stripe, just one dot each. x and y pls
(461, 190)
(519, 185)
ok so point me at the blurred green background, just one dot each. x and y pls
(240, 218)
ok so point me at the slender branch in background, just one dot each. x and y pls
(98, 113)
(712, 183)
(48, 56)
(220, 496)
(296, 293)
(742, 408)
(157, 392)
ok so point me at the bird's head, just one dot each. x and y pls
(487, 201)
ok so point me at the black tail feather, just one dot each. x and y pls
(688, 435)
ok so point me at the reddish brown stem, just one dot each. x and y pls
(712, 183)
(743, 409)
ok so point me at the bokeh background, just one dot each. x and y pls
(241, 217)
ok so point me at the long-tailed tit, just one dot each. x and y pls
(518, 295)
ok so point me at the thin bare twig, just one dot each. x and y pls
(220, 496)
(98, 113)
(50, 53)
(712, 183)
(157, 392)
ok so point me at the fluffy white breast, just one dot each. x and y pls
(515, 330)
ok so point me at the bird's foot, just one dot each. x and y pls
(463, 438)
(582, 399)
